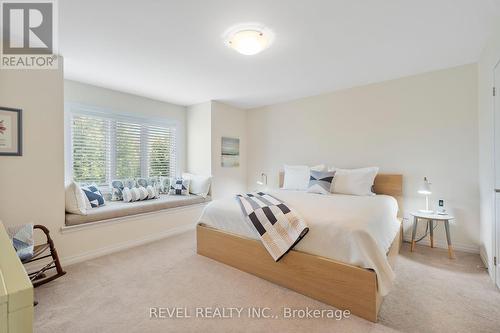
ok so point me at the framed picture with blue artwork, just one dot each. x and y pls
(11, 135)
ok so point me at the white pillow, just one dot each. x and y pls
(354, 181)
(75, 200)
(143, 193)
(152, 192)
(127, 194)
(199, 185)
(134, 194)
(296, 177)
(319, 167)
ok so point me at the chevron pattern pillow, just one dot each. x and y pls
(320, 182)
(94, 196)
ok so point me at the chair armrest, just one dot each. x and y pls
(45, 231)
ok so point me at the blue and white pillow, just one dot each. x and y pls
(23, 240)
(145, 182)
(141, 182)
(179, 186)
(320, 182)
(130, 182)
(152, 192)
(143, 193)
(137, 194)
(131, 194)
(163, 184)
(117, 187)
(94, 196)
(119, 184)
(128, 196)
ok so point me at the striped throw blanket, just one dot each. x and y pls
(279, 227)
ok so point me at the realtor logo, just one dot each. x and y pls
(28, 34)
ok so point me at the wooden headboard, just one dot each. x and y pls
(388, 184)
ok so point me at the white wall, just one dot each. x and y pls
(119, 102)
(230, 122)
(207, 123)
(199, 138)
(424, 125)
(32, 185)
(489, 57)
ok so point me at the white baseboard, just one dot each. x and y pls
(484, 258)
(443, 245)
(71, 260)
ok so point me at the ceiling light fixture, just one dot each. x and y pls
(249, 38)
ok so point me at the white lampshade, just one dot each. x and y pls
(425, 187)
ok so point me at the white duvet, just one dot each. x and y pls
(357, 230)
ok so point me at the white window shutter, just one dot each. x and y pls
(105, 147)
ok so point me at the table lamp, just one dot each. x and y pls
(425, 189)
(263, 179)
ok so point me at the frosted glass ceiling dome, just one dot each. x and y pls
(248, 38)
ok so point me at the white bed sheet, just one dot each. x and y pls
(357, 230)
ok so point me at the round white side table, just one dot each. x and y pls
(431, 218)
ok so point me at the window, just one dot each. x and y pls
(108, 146)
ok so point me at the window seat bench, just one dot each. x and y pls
(116, 209)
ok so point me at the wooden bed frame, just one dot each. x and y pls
(338, 284)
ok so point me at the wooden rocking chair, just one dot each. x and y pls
(43, 251)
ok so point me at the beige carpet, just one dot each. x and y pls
(114, 294)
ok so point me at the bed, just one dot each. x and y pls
(345, 260)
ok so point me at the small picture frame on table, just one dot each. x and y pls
(11, 132)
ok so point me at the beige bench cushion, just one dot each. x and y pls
(115, 209)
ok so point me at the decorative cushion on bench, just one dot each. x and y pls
(145, 182)
(134, 194)
(164, 184)
(198, 184)
(117, 188)
(153, 192)
(179, 186)
(94, 196)
(76, 202)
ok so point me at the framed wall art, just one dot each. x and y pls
(11, 135)
(230, 152)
